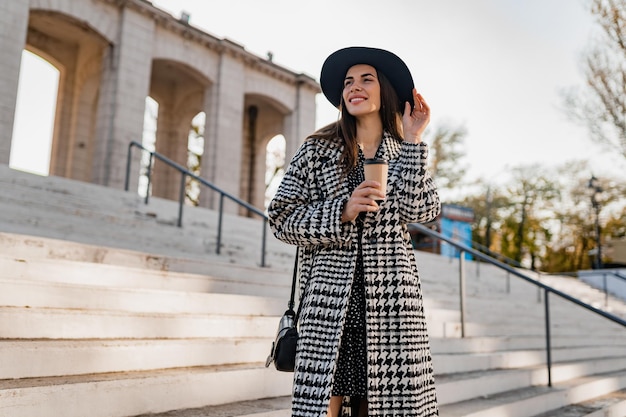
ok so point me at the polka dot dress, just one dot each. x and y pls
(351, 372)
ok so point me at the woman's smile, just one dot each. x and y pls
(357, 99)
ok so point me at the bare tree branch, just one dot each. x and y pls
(601, 104)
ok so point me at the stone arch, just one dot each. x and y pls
(180, 91)
(264, 118)
(196, 57)
(76, 50)
(97, 17)
(262, 85)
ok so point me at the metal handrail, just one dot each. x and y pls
(618, 275)
(186, 173)
(496, 255)
(547, 289)
(605, 286)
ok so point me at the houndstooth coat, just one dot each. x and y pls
(306, 211)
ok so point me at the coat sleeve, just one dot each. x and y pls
(419, 199)
(298, 214)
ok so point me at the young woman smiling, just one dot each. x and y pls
(363, 348)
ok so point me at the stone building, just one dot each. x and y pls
(112, 54)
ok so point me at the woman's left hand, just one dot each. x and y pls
(415, 120)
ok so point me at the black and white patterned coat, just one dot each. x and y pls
(306, 211)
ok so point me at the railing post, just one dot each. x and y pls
(127, 178)
(219, 224)
(149, 177)
(548, 344)
(606, 290)
(462, 290)
(263, 242)
(181, 199)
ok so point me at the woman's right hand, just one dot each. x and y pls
(361, 200)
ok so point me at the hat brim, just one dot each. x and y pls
(337, 64)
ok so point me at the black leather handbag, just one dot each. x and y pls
(283, 352)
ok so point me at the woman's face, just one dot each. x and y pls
(361, 90)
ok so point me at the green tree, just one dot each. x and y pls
(532, 192)
(572, 226)
(545, 217)
(486, 205)
(615, 229)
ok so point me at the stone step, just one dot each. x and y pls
(39, 195)
(59, 208)
(471, 385)
(268, 407)
(133, 393)
(30, 294)
(529, 401)
(32, 248)
(495, 393)
(65, 323)
(472, 362)
(43, 358)
(238, 280)
(488, 344)
(137, 233)
(537, 401)
(56, 323)
(261, 282)
(116, 312)
(48, 358)
(527, 328)
(42, 294)
(26, 247)
(610, 405)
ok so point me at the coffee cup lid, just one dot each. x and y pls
(377, 161)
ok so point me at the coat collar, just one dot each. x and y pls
(389, 147)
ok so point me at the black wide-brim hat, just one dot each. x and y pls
(338, 63)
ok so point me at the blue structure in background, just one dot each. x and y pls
(454, 222)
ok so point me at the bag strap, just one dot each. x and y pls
(295, 315)
(292, 304)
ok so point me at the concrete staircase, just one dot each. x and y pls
(108, 309)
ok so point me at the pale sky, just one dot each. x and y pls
(495, 66)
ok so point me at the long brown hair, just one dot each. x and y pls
(344, 129)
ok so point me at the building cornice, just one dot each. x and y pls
(219, 45)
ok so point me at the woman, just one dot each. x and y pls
(363, 347)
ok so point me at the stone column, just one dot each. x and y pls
(208, 197)
(301, 122)
(224, 133)
(172, 140)
(126, 82)
(60, 153)
(13, 27)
